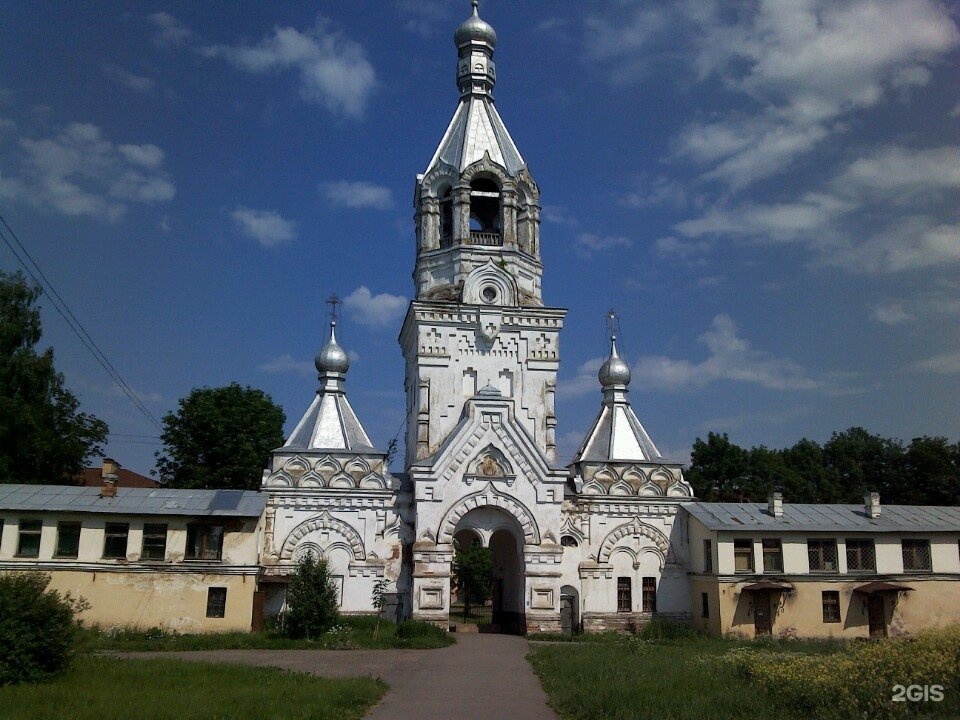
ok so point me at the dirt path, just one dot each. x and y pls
(481, 677)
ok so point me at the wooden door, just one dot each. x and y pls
(259, 601)
(566, 614)
(876, 616)
(761, 613)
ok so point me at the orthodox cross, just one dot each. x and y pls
(613, 323)
(334, 301)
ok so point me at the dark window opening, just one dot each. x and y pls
(831, 606)
(624, 595)
(115, 540)
(28, 544)
(822, 555)
(446, 215)
(204, 542)
(916, 556)
(216, 602)
(484, 208)
(154, 542)
(707, 556)
(68, 540)
(569, 541)
(772, 556)
(704, 605)
(649, 597)
(861, 556)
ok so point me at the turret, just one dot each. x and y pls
(476, 201)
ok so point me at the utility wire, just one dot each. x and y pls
(64, 311)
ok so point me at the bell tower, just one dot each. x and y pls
(478, 317)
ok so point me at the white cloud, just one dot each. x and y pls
(891, 314)
(424, 17)
(79, 172)
(803, 65)
(588, 244)
(947, 363)
(332, 68)
(286, 363)
(374, 310)
(358, 195)
(123, 77)
(858, 224)
(900, 170)
(557, 215)
(170, 31)
(267, 227)
(779, 222)
(657, 192)
(729, 357)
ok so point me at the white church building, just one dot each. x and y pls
(610, 541)
(482, 350)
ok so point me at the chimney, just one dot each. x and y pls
(775, 504)
(871, 504)
(109, 476)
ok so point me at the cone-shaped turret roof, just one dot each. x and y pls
(330, 423)
(616, 434)
(476, 128)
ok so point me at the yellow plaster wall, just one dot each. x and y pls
(931, 603)
(172, 600)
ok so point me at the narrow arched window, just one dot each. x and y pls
(485, 212)
(446, 217)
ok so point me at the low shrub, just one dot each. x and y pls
(417, 629)
(859, 679)
(311, 600)
(37, 628)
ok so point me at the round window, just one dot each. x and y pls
(489, 294)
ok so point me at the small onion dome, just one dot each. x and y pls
(332, 358)
(473, 29)
(614, 371)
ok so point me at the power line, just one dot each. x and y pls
(60, 305)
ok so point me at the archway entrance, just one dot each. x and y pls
(489, 546)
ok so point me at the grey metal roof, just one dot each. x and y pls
(132, 501)
(826, 518)
(330, 422)
(616, 434)
(476, 128)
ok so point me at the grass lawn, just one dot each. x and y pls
(353, 633)
(101, 688)
(686, 679)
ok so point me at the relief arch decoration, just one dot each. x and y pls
(489, 497)
(634, 528)
(324, 521)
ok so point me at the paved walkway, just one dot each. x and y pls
(481, 677)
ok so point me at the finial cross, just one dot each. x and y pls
(334, 301)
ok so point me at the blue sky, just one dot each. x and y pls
(767, 192)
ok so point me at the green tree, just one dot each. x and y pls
(863, 462)
(43, 437)
(37, 628)
(220, 438)
(931, 473)
(473, 575)
(312, 606)
(718, 469)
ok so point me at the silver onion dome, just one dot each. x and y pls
(614, 371)
(332, 358)
(473, 29)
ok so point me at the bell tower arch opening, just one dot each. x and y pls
(486, 221)
(496, 532)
